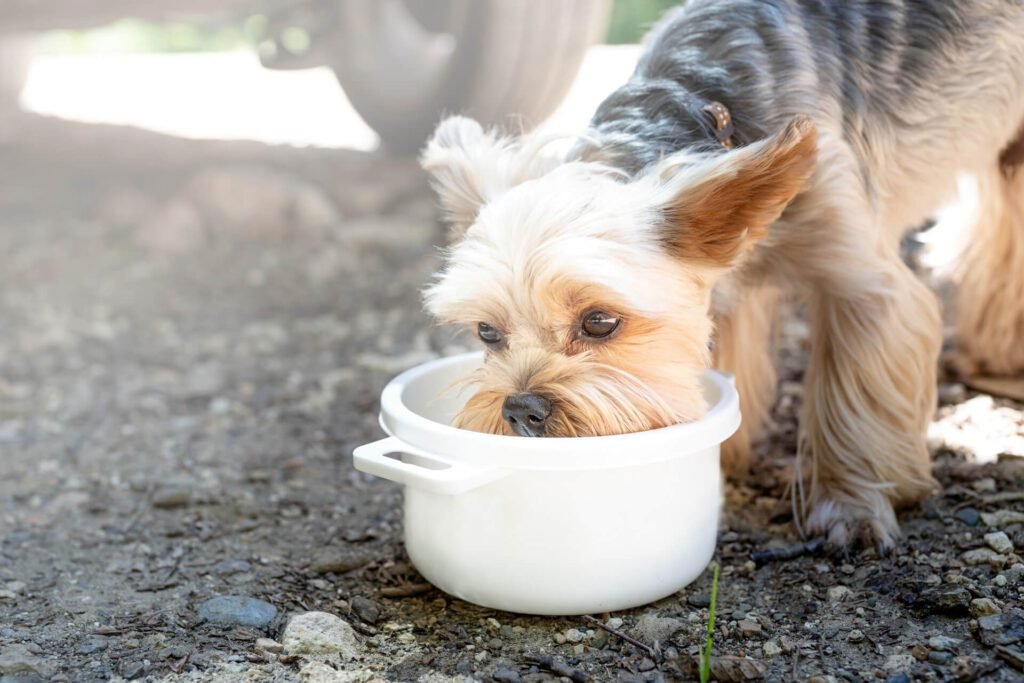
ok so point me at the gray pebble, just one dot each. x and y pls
(968, 516)
(698, 600)
(93, 645)
(940, 658)
(130, 670)
(506, 675)
(237, 609)
(366, 609)
(339, 564)
(232, 567)
(169, 498)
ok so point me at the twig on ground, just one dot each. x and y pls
(811, 547)
(180, 666)
(619, 634)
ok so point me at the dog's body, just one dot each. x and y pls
(656, 229)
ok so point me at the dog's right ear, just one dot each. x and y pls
(469, 167)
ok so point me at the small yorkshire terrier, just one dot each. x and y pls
(763, 149)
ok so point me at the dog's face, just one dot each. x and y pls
(589, 290)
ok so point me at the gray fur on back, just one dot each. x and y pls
(871, 68)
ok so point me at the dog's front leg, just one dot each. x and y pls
(870, 392)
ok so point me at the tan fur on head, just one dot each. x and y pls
(469, 166)
(537, 246)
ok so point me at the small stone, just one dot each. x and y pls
(646, 664)
(999, 580)
(984, 556)
(171, 497)
(599, 640)
(481, 656)
(1001, 518)
(943, 643)
(847, 569)
(919, 652)
(983, 607)
(493, 623)
(968, 516)
(238, 610)
(573, 635)
(227, 567)
(940, 658)
(366, 609)
(319, 633)
(268, 645)
(339, 563)
(698, 600)
(93, 645)
(1000, 542)
(579, 648)
(16, 586)
(614, 623)
(1014, 574)
(950, 600)
(650, 627)
(898, 678)
(984, 485)
(495, 643)
(16, 659)
(132, 670)
(406, 638)
(855, 636)
(503, 674)
(771, 649)
(749, 628)
(838, 593)
(559, 638)
(900, 660)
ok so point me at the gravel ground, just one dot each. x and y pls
(193, 337)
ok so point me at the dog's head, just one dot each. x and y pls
(591, 290)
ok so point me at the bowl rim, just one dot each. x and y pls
(397, 419)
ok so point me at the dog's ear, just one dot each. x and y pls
(469, 167)
(722, 206)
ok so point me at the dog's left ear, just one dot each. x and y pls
(469, 167)
(721, 207)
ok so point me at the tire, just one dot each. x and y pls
(499, 61)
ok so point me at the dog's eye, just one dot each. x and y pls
(598, 324)
(488, 334)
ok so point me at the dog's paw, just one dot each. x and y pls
(846, 523)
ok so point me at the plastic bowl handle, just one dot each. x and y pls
(424, 471)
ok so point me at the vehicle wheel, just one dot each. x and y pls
(15, 55)
(405, 63)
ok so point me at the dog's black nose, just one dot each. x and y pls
(527, 414)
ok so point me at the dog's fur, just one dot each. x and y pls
(852, 121)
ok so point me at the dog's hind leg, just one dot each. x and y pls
(990, 275)
(869, 392)
(743, 345)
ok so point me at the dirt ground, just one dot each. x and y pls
(193, 337)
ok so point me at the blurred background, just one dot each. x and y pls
(270, 70)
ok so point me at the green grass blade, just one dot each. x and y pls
(705, 660)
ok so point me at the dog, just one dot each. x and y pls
(762, 151)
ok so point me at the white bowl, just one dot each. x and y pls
(556, 526)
